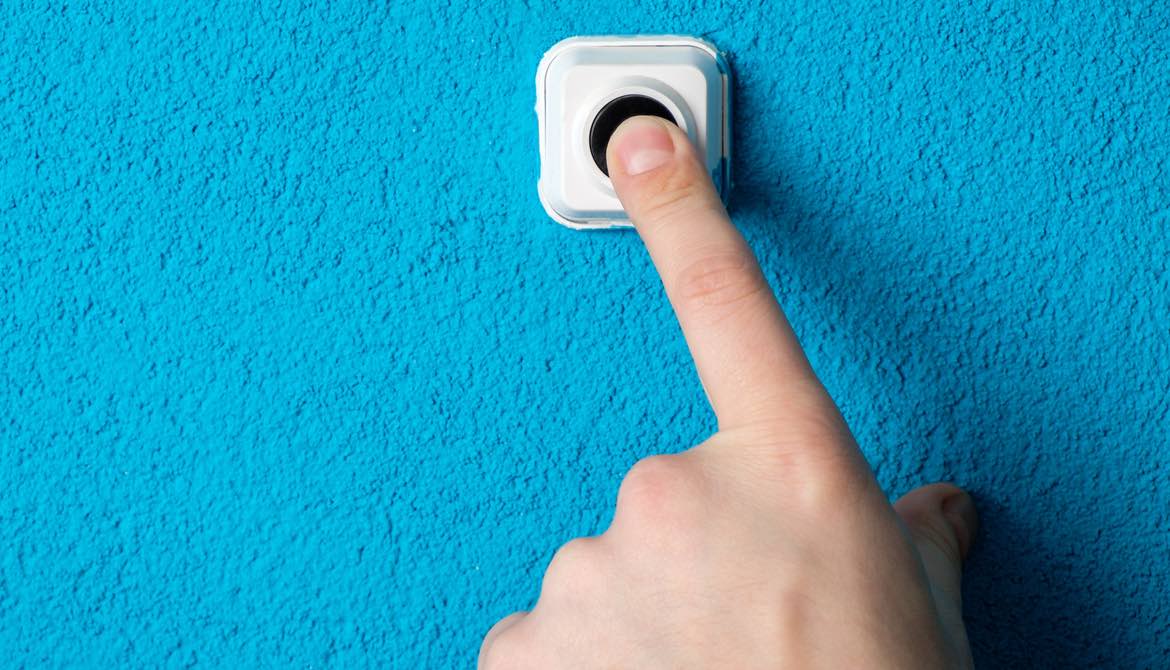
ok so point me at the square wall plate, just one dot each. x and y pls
(584, 86)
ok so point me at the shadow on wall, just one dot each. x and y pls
(1033, 598)
(1026, 606)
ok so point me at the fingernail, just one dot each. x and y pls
(643, 144)
(960, 512)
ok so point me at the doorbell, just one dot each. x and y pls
(586, 87)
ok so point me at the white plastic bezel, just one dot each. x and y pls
(579, 75)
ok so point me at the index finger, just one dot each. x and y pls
(748, 358)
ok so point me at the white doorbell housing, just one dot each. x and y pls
(585, 88)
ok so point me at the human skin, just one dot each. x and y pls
(769, 545)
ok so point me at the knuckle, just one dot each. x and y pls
(573, 567)
(502, 651)
(811, 457)
(719, 279)
(659, 493)
(833, 491)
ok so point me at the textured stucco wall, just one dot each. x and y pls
(296, 372)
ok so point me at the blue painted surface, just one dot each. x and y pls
(296, 373)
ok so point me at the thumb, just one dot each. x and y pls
(942, 522)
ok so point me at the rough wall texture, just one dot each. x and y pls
(296, 372)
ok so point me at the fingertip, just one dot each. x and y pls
(640, 144)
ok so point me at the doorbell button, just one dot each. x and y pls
(611, 116)
(586, 87)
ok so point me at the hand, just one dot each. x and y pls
(770, 545)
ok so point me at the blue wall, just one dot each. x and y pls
(296, 372)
